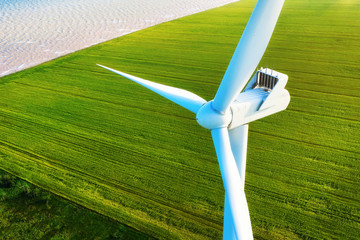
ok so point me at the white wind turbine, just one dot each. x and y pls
(236, 103)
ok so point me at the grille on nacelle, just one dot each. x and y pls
(265, 81)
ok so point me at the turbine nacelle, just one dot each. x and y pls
(265, 94)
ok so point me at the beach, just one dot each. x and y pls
(36, 31)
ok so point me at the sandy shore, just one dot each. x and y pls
(36, 31)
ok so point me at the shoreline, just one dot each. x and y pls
(61, 34)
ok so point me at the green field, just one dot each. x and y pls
(116, 148)
(28, 212)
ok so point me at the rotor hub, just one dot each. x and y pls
(210, 119)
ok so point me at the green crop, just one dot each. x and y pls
(115, 147)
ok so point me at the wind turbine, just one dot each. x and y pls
(236, 103)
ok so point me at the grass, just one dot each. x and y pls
(28, 212)
(116, 148)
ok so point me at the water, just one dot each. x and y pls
(35, 31)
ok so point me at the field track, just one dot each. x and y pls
(114, 147)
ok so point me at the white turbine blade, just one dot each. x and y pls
(238, 140)
(248, 53)
(179, 96)
(233, 184)
(228, 226)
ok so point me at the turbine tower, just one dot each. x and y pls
(237, 102)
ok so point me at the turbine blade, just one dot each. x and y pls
(228, 226)
(248, 53)
(179, 96)
(233, 184)
(238, 140)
